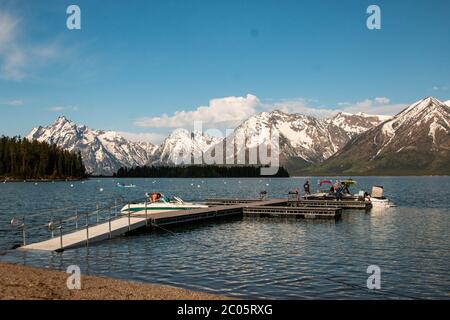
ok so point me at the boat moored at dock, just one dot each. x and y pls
(157, 202)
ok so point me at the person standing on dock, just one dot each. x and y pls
(297, 194)
(306, 187)
(338, 190)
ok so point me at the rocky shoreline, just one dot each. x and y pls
(18, 282)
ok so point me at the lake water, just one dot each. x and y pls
(256, 258)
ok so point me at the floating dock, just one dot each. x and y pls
(136, 220)
(230, 201)
(343, 204)
(294, 212)
(223, 207)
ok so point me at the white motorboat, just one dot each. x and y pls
(162, 204)
(377, 198)
(121, 185)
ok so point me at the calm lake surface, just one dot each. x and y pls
(249, 257)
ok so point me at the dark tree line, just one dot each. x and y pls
(194, 171)
(24, 159)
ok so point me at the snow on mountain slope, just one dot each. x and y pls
(429, 116)
(182, 146)
(306, 137)
(302, 136)
(103, 152)
(415, 141)
(357, 123)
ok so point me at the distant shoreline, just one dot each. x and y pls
(19, 282)
(40, 180)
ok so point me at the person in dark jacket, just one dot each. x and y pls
(306, 187)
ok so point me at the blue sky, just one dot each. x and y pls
(132, 62)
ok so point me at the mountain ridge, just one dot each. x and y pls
(307, 143)
(415, 141)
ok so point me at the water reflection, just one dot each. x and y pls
(260, 258)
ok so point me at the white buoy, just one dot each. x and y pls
(71, 185)
(198, 186)
(101, 189)
(35, 183)
(267, 184)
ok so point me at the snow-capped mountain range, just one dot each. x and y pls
(415, 141)
(103, 152)
(306, 137)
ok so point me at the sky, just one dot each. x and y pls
(145, 67)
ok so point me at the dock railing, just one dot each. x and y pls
(60, 223)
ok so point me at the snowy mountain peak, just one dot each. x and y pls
(103, 152)
(357, 123)
(182, 146)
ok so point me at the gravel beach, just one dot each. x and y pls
(18, 282)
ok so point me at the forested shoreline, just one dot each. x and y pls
(24, 159)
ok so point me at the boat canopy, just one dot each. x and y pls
(348, 182)
(326, 181)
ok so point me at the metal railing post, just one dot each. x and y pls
(109, 221)
(97, 211)
(146, 217)
(61, 233)
(51, 226)
(76, 219)
(87, 229)
(129, 216)
(24, 232)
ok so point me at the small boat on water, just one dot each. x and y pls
(121, 185)
(161, 204)
(326, 191)
(377, 198)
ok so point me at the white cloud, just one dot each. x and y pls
(63, 108)
(302, 106)
(378, 105)
(155, 138)
(12, 103)
(7, 29)
(228, 111)
(16, 58)
(12, 57)
(440, 88)
(382, 100)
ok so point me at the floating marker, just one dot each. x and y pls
(198, 186)
(71, 185)
(101, 189)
